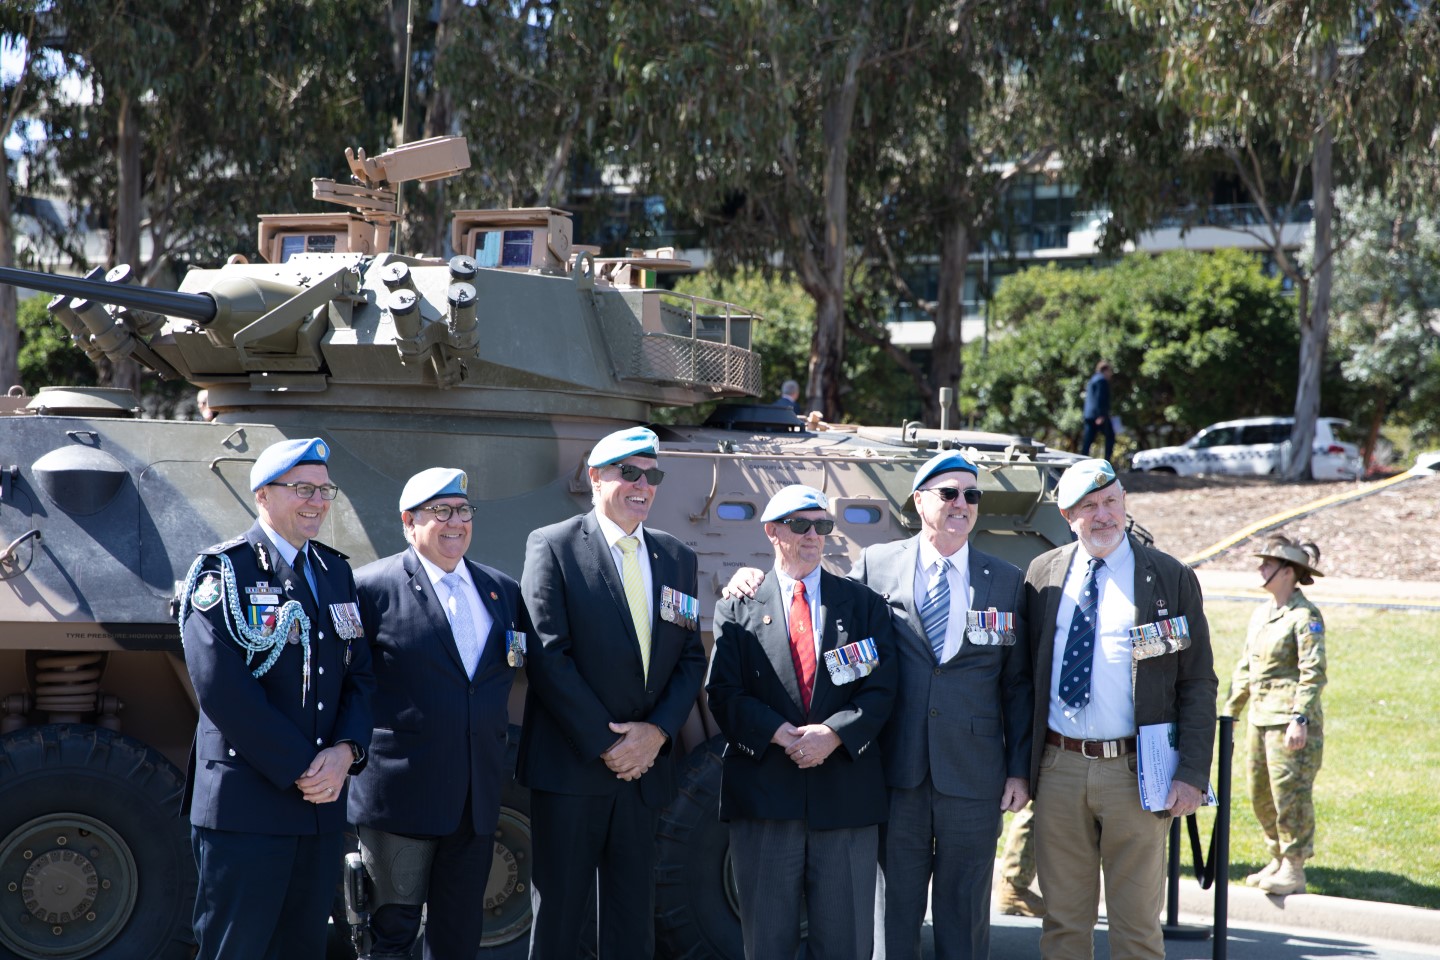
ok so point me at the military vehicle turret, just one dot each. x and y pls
(508, 359)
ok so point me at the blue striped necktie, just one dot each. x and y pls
(1080, 645)
(935, 614)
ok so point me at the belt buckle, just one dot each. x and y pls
(1109, 749)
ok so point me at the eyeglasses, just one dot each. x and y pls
(444, 511)
(951, 494)
(630, 473)
(801, 525)
(305, 491)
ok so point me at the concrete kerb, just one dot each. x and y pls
(1360, 919)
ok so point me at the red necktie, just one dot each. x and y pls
(802, 644)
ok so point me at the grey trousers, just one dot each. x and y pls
(782, 868)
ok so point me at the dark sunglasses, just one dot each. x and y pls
(951, 494)
(801, 525)
(630, 473)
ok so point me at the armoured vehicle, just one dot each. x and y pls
(508, 359)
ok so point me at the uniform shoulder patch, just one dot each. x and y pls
(207, 593)
(1317, 626)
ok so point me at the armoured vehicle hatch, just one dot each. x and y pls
(508, 359)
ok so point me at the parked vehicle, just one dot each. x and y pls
(1258, 446)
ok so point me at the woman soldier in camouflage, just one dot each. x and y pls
(1281, 673)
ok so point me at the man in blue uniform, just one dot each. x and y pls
(447, 635)
(1097, 411)
(276, 652)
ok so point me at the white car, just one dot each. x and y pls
(1258, 446)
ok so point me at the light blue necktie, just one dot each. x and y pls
(461, 623)
(935, 613)
(1080, 645)
(302, 563)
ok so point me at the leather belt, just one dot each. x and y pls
(1092, 749)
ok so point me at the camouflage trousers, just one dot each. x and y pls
(1281, 789)
(1017, 864)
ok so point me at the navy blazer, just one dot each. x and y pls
(255, 738)
(584, 669)
(967, 722)
(753, 690)
(439, 733)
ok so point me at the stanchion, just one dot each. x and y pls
(1172, 927)
(1221, 857)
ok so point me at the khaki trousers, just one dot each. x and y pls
(1088, 816)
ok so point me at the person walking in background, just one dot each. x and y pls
(1280, 674)
(1097, 411)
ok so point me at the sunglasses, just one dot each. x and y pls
(951, 494)
(630, 473)
(801, 525)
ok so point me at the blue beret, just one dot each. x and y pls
(432, 484)
(279, 458)
(945, 462)
(632, 442)
(1081, 479)
(793, 499)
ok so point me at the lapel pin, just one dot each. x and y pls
(494, 595)
(765, 619)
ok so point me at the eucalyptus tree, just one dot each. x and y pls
(1345, 92)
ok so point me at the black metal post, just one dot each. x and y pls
(1226, 736)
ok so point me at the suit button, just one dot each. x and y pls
(320, 634)
(322, 671)
(938, 671)
(319, 742)
(319, 706)
(934, 713)
(231, 751)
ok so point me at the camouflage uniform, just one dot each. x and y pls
(1281, 673)
(1018, 863)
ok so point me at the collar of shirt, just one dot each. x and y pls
(612, 532)
(811, 580)
(1111, 711)
(287, 550)
(437, 574)
(958, 577)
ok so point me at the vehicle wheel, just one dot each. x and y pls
(95, 859)
(697, 915)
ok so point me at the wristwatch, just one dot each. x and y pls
(357, 756)
(1300, 719)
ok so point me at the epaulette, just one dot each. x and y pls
(329, 549)
(224, 547)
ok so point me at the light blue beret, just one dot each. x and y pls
(793, 499)
(432, 484)
(279, 458)
(631, 442)
(943, 462)
(1081, 479)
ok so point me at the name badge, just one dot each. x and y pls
(679, 608)
(852, 661)
(515, 648)
(1159, 638)
(990, 628)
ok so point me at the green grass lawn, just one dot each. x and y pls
(1377, 798)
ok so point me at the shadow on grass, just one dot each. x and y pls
(1374, 885)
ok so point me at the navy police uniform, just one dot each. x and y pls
(268, 859)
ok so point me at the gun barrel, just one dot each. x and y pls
(188, 306)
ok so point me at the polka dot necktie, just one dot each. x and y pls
(1080, 645)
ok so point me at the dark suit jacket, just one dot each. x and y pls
(584, 668)
(254, 738)
(1177, 687)
(753, 690)
(438, 733)
(967, 721)
(1097, 397)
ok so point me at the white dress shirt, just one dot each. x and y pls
(479, 615)
(958, 577)
(1110, 714)
(613, 534)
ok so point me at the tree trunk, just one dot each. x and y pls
(945, 360)
(9, 299)
(1315, 323)
(126, 373)
(827, 351)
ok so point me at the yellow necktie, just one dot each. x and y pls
(635, 596)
